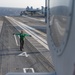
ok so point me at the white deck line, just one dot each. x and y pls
(32, 29)
(24, 54)
(28, 27)
(32, 33)
(35, 19)
(1, 23)
(24, 70)
(16, 40)
(43, 42)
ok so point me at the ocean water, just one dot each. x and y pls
(4, 11)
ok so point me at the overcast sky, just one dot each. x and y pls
(22, 3)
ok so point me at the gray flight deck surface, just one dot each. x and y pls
(33, 22)
(11, 58)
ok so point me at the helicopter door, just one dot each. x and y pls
(59, 26)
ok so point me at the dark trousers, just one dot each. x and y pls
(21, 44)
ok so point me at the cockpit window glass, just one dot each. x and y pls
(59, 19)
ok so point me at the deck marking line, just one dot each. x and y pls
(24, 54)
(21, 25)
(24, 70)
(16, 40)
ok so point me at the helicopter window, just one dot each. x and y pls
(59, 19)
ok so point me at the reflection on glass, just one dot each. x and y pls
(59, 16)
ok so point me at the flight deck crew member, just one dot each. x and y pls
(22, 36)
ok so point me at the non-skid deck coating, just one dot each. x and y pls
(10, 61)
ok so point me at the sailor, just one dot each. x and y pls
(22, 36)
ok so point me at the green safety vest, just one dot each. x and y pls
(22, 35)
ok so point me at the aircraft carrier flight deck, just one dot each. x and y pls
(35, 57)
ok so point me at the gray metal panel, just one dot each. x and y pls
(62, 13)
(30, 74)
